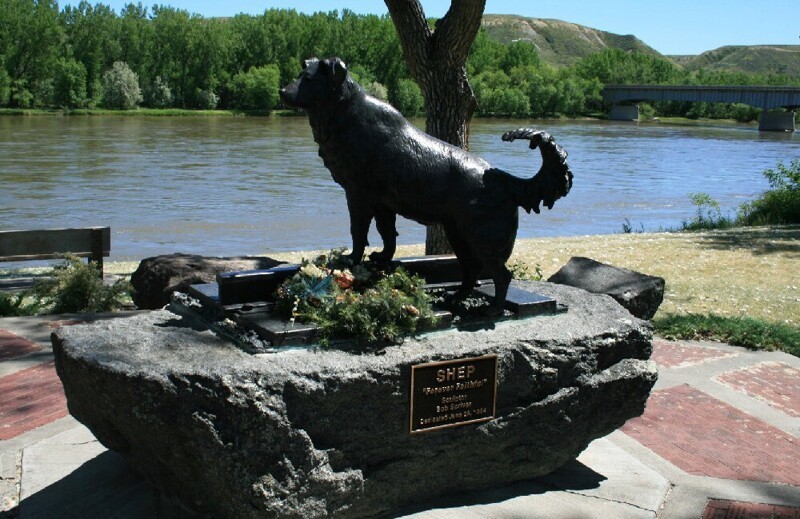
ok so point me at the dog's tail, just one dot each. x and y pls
(554, 178)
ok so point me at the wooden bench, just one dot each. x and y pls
(93, 243)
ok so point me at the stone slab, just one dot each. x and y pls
(306, 432)
(640, 294)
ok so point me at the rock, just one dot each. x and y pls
(307, 432)
(639, 293)
(158, 277)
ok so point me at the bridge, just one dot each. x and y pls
(624, 99)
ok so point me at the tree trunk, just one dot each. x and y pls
(437, 61)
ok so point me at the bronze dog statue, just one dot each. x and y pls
(389, 167)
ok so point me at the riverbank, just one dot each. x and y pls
(743, 272)
(181, 112)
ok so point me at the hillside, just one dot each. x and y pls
(559, 43)
(758, 59)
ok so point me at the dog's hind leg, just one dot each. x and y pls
(470, 267)
(385, 222)
(502, 279)
(360, 218)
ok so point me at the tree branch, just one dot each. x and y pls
(456, 31)
(415, 34)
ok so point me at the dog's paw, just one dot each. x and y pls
(380, 257)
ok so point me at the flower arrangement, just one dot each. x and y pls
(367, 303)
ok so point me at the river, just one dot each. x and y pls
(242, 185)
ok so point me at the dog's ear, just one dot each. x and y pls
(336, 69)
(307, 62)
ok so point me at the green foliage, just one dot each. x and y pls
(377, 90)
(20, 95)
(121, 87)
(5, 86)
(70, 84)
(205, 99)
(158, 95)
(627, 227)
(779, 205)
(519, 54)
(183, 60)
(522, 270)
(257, 88)
(76, 287)
(14, 305)
(739, 331)
(366, 304)
(708, 216)
(408, 98)
(616, 66)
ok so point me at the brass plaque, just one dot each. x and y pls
(453, 392)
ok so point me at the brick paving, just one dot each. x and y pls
(775, 383)
(676, 355)
(12, 346)
(694, 431)
(723, 509)
(29, 399)
(707, 437)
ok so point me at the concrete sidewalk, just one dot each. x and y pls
(720, 439)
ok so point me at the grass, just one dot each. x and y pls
(737, 272)
(739, 331)
(750, 273)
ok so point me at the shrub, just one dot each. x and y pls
(408, 98)
(76, 287)
(505, 102)
(709, 215)
(5, 86)
(779, 205)
(366, 304)
(521, 270)
(257, 89)
(121, 87)
(21, 96)
(13, 305)
(206, 99)
(376, 89)
(159, 94)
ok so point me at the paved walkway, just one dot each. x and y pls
(720, 439)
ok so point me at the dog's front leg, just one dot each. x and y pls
(385, 222)
(360, 218)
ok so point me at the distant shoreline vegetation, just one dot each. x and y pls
(90, 58)
(186, 112)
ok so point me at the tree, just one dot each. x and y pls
(69, 89)
(5, 86)
(121, 87)
(158, 95)
(437, 59)
(94, 41)
(30, 39)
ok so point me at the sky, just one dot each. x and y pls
(669, 26)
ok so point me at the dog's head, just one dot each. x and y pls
(319, 83)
